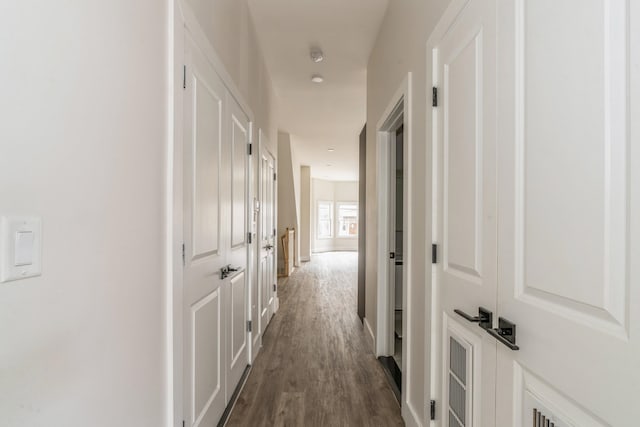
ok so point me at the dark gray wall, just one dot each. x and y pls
(362, 233)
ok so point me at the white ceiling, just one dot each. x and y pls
(329, 114)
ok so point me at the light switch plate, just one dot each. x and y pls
(21, 244)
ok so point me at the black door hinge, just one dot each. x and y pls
(392, 255)
(434, 253)
(249, 238)
(250, 149)
(182, 423)
(433, 410)
(274, 176)
(274, 231)
(183, 256)
(249, 325)
(435, 97)
(275, 288)
(184, 77)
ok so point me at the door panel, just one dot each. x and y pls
(467, 212)
(267, 273)
(238, 248)
(206, 375)
(238, 325)
(239, 141)
(564, 260)
(204, 179)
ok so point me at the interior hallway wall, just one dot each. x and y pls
(305, 213)
(229, 27)
(288, 193)
(399, 49)
(84, 147)
(334, 192)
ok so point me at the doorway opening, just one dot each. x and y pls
(392, 151)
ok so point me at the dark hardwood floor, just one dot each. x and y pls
(314, 368)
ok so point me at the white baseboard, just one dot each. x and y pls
(305, 259)
(370, 337)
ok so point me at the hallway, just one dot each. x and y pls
(314, 368)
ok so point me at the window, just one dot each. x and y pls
(348, 219)
(325, 220)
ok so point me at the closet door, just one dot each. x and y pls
(568, 274)
(267, 261)
(237, 149)
(466, 272)
(206, 199)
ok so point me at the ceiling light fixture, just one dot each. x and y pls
(316, 54)
(317, 78)
(331, 150)
(329, 164)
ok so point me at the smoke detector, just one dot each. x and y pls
(316, 54)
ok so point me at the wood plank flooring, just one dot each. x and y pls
(314, 368)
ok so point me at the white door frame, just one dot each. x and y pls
(435, 305)
(184, 20)
(262, 146)
(398, 111)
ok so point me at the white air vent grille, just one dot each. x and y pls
(541, 420)
(457, 383)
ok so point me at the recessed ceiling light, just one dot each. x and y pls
(317, 78)
(329, 164)
(316, 54)
(331, 150)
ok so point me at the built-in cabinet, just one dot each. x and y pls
(539, 311)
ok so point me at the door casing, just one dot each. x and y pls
(398, 110)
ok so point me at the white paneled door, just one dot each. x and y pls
(267, 232)
(465, 58)
(564, 265)
(238, 139)
(216, 171)
(536, 213)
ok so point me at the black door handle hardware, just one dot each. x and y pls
(227, 270)
(484, 317)
(505, 333)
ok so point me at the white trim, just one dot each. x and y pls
(399, 110)
(369, 336)
(175, 202)
(170, 268)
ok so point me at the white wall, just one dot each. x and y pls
(332, 191)
(288, 192)
(305, 213)
(399, 49)
(83, 145)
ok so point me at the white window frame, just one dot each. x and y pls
(337, 221)
(332, 219)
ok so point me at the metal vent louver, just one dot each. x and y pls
(457, 384)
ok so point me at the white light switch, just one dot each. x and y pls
(20, 239)
(23, 248)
